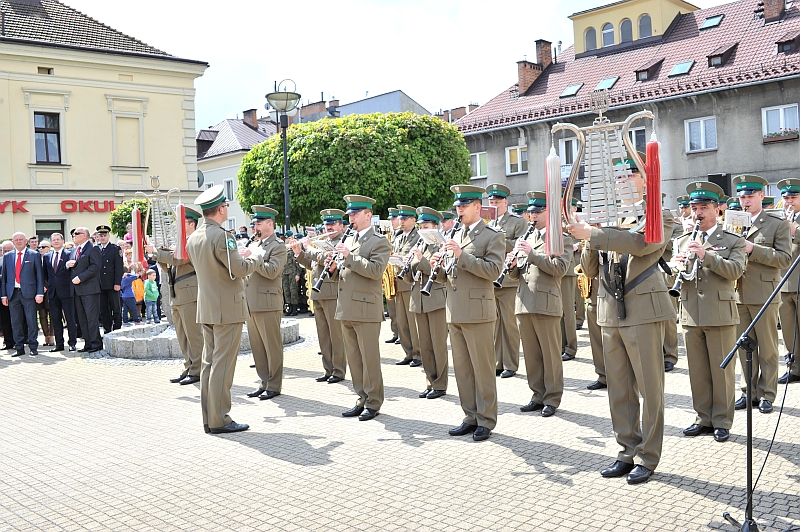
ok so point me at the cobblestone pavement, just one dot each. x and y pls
(106, 444)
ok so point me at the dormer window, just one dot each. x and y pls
(788, 43)
(785, 47)
(648, 70)
(711, 22)
(721, 55)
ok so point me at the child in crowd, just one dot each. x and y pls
(151, 297)
(130, 312)
(138, 287)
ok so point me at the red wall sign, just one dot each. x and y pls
(66, 206)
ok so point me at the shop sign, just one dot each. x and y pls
(66, 206)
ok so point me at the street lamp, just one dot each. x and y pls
(284, 101)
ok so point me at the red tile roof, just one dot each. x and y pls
(754, 60)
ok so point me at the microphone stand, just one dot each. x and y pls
(749, 345)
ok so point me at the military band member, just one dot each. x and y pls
(264, 295)
(391, 304)
(722, 206)
(448, 221)
(734, 205)
(360, 305)
(569, 285)
(429, 312)
(708, 312)
(790, 320)
(406, 324)
(768, 202)
(769, 249)
(539, 309)
(520, 209)
(685, 218)
(221, 307)
(474, 260)
(329, 330)
(111, 270)
(595, 338)
(506, 330)
(290, 279)
(183, 303)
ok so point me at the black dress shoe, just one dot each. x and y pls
(72, 348)
(268, 395)
(95, 349)
(578, 326)
(435, 394)
(319, 353)
(619, 469)
(391, 340)
(190, 379)
(83, 350)
(498, 372)
(548, 411)
(353, 412)
(230, 427)
(57, 349)
(596, 385)
(257, 392)
(252, 365)
(34, 352)
(668, 366)
(765, 407)
(721, 435)
(8, 347)
(697, 429)
(462, 429)
(18, 353)
(788, 377)
(567, 356)
(323, 378)
(415, 363)
(742, 402)
(178, 379)
(507, 373)
(424, 393)
(206, 429)
(397, 342)
(531, 407)
(368, 414)
(334, 379)
(481, 433)
(639, 475)
(404, 362)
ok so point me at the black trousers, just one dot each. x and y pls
(63, 309)
(5, 325)
(24, 309)
(87, 308)
(110, 310)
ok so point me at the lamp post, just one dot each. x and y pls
(284, 101)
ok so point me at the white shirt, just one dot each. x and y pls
(364, 232)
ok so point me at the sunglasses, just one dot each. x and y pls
(44, 247)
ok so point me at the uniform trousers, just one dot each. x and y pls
(790, 327)
(765, 357)
(671, 331)
(569, 336)
(391, 309)
(266, 342)
(596, 339)
(432, 328)
(713, 388)
(110, 310)
(541, 348)
(406, 325)
(580, 305)
(329, 332)
(506, 331)
(472, 345)
(634, 362)
(220, 347)
(364, 359)
(190, 336)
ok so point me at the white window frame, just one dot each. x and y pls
(632, 135)
(477, 156)
(621, 23)
(208, 184)
(60, 110)
(781, 108)
(585, 41)
(519, 150)
(639, 26)
(702, 121)
(232, 197)
(604, 32)
(230, 223)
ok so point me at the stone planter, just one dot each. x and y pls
(769, 140)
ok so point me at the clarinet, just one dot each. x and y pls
(675, 291)
(325, 268)
(498, 283)
(407, 261)
(426, 290)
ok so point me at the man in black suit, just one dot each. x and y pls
(110, 281)
(22, 290)
(85, 275)
(5, 314)
(60, 292)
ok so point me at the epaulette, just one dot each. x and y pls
(495, 229)
(731, 233)
(515, 215)
(775, 215)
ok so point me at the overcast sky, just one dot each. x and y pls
(442, 53)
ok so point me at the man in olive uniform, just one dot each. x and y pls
(580, 303)
(360, 305)
(768, 202)
(265, 303)
(734, 205)
(708, 312)
(595, 337)
(448, 221)
(221, 307)
(406, 324)
(391, 304)
(291, 279)
(111, 270)
(506, 330)
(633, 338)
(329, 331)
(474, 259)
(429, 312)
(539, 309)
(769, 249)
(520, 209)
(685, 211)
(569, 285)
(790, 318)
(183, 303)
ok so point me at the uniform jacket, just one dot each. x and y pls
(470, 292)
(402, 245)
(710, 299)
(772, 250)
(264, 287)
(649, 302)
(540, 293)
(314, 260)
(87, 269)
(360, 290)
(291, 267)
(31, 276)
(512, 226)
(421, 271)
(222, 299)
(185, 290)
(790, 286)
(58, 281)
(110, 266)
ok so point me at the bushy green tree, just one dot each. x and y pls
(121, 216)
(395, 158)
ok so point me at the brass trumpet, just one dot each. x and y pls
(311, 239)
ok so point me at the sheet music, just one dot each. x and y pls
(396, 261)
(432, 237)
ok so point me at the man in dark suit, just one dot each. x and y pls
(22, 290)
(110, 281)
(5, 314)
(60, 292)
(85, 273)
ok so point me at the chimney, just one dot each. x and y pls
(472, 107)
(446, 116)
(774, 10)
(458, 112)
(250, 119)
(544, 53)
(527, 73)
(333, 103)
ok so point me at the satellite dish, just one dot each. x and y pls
(200, 179)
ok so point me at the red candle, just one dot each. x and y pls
(653, 229)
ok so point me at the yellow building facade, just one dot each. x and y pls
(85, 119)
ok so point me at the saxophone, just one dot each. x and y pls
(584, 281)
(388, 277)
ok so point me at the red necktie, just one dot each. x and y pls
(19, 264)
(78, 254)
(55, 260)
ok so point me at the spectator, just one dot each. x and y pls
(44, 306)
(129, 313)
(151, 298)
(138, 287)
(128, 233)
(60, 293)
(33, 243)
(22, 290)
(5, 314)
